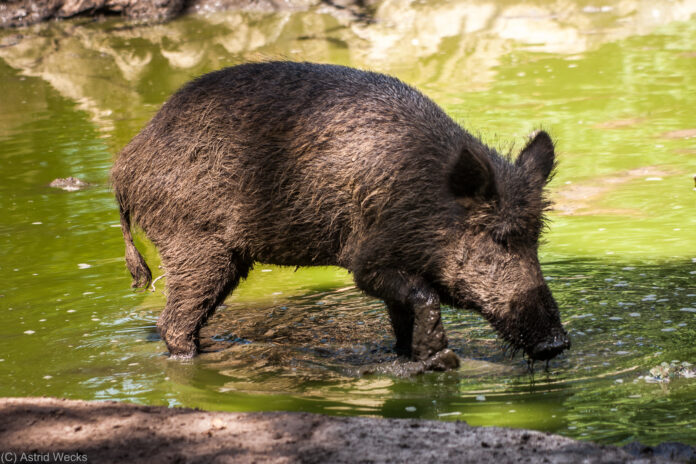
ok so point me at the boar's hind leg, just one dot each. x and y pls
(196, 285)
(414, 309)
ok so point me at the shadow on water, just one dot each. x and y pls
(624, 319)
(623, 311)
(306, 353)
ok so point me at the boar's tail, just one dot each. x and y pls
(134, 260)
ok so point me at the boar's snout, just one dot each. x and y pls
(551, 346)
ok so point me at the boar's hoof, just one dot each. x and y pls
(443, 360)
(182, 354)
(180, 347)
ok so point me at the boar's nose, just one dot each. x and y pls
(551, 347)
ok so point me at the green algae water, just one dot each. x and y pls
(613, 84)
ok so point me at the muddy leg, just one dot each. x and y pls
(414, 307)
(196, 285)
(401, 318)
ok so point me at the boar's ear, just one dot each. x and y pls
(538, 157)
(472, 174)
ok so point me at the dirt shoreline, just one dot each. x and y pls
(57, 430)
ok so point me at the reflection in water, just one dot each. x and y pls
(112, 70)
(619, 255)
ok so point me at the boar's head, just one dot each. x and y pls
(492, 264)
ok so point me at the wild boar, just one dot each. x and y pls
(318, 165)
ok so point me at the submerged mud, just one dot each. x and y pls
(330, 335)
(118, 432)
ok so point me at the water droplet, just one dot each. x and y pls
(634, 314)
(410, 408)
(84, 266)
(480, 398)
(29, 332)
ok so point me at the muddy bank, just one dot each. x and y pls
(118, 432)
(16, 13)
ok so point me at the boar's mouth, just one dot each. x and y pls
(532, 322)
(551, 346)
(547, 348)
(539, 335)
(509, 323)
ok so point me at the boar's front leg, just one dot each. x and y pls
(401, 317)
(414, 310)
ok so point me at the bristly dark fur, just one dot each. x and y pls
(304, 164)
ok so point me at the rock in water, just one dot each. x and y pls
(69, 183)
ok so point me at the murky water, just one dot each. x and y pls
(613, 84)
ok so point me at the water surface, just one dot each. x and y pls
(612, 84)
